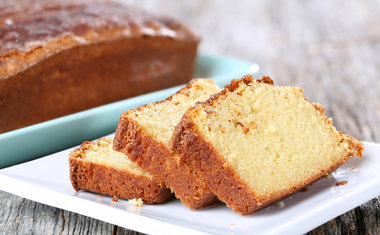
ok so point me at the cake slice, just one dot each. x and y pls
(144, 134)
(254, 143)
(96, 167)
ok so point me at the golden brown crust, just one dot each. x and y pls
(247, 79)
(59, 86)
(33, 30)
(102, 53)
(106, 180)
(221, 178)
(195, 152)
(156, 158)
(202, 157)
(184, 90)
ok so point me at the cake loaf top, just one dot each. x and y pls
(33, 30)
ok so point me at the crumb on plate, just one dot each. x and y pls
(332, 190)
(136, 202)
(341, 183)
(281, 204)
(306, 189)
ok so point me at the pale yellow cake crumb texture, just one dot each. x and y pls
(101, 152)
(272, 136)
(160, 119)
(136, 202)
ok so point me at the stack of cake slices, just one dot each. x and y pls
(143, 137)
(249, 145)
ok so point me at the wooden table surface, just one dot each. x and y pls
(329, 48)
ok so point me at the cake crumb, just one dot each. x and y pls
(320, 108)
(341, 183)
(252, 125)
(244, 128)
(114, 199)
(237, 110)
(134, 209)
(332, 190)
(355, 170)
(211, 112)
(223, 130)
(232, 224)
(281, 204)
(136, 202)
(306, 189)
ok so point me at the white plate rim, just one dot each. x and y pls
(139, 222)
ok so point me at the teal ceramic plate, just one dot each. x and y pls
(48, 137)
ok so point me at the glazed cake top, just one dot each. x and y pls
(33, 30)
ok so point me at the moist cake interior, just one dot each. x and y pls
(101, 152)
(160, 119)
(272, 136)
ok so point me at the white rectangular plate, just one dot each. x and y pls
(46, 180)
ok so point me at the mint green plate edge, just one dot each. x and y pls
(38, 140)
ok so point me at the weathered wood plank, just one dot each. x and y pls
(79, 224)
(21, 216)
(123, 231)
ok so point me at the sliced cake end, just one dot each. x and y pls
(255, 143)
(144, 134)
(96, 167)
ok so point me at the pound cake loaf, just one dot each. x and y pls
(144, 134)
(96, 167)
(255, 143)
(61, 57)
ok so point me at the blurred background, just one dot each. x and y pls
(329, 48)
